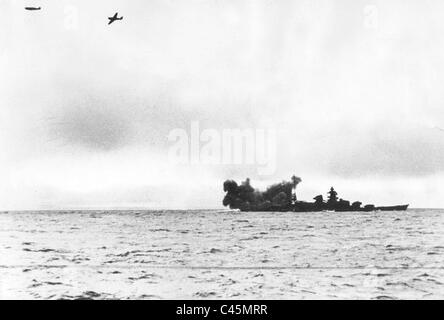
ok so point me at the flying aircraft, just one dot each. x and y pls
(32, 8)
(114, 18)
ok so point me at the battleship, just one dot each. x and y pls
(282, 197)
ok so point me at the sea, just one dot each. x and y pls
(221, 254)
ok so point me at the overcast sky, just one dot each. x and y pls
(354, 89)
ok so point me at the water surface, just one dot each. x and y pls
(222, 254)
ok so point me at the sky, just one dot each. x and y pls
(351, 88)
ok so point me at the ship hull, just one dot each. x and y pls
(393, 208)
(309, 207)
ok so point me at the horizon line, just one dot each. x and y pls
(164, 208)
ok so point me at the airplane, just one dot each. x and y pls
(114, 18)
(33, 8)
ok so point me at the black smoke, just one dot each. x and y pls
(244, 197)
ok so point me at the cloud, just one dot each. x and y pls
(416, 151)
(91, 126)
(348, 101)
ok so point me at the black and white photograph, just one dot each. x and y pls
(221, 150)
